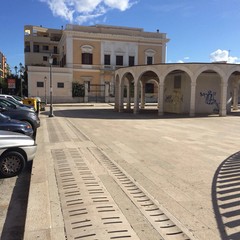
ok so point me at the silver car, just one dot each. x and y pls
(15, 150)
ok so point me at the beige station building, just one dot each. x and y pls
(127, 66)
(85, 59)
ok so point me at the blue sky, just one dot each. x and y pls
(199, 31)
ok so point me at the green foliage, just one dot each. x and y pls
(77, 89)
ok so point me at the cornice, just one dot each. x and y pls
(114, 37)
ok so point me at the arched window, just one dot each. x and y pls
(87, 56)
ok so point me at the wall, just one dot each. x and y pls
(208, 93)
(58, 75)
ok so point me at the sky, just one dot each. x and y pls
(199, 31)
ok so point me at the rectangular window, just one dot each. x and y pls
(86, 58)
(107, 59)
(119, 60)
(55, 50)
(45, 48)
(131, 61)
(27, 49)
(45, 59)
(40, 84)
(35, 48)
(177, 82)
(60, 85)
(149, 60)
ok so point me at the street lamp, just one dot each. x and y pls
(50, 60)
(21, 72)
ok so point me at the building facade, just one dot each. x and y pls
(3, 70)
(85, 59)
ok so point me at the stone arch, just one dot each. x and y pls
(149, 83)
(208, 96)
(233, 90)
(209, 67)
(177, 90)
(116, 92)
(176, 68)
(126, 90)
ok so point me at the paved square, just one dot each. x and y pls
(190, 166)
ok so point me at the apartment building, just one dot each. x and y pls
(3, 66)
(3, 70)
(85, 59)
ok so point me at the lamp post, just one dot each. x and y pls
(51, 88)
(20, 71)
(45, 85)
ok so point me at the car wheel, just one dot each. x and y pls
(11, 164)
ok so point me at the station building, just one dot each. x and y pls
(85, 59)
(127, 66)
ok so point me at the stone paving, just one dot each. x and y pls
(189, 166)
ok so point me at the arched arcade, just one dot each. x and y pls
(188, 88)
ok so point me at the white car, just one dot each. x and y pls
(12, 97)
(15, 150)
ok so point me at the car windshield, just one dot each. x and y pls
(17, 97)
(7, 103)
(14, 101)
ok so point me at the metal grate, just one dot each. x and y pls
(89, 211)
(149, 208)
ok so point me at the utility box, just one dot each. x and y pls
(31, 102)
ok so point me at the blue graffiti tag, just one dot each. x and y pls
(210, 99)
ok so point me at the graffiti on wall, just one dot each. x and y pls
(174, 99)
(210, 99)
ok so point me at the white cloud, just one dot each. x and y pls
(184, 59)
(80, 11)
(223, 56)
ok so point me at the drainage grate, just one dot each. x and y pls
(89, 212)
(149, 208)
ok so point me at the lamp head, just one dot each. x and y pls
(50, 59)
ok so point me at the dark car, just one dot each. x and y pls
(15, 151)
(8, 124)
(19, 113)
(13, 101)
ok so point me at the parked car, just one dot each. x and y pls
(15, 102)
(13, 97)
(8, 124)
(19, 113)
(16, 150)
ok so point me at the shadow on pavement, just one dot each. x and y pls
(14, 225)
(225, 197)
(102, 113)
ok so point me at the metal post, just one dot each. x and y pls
(21, 86)
(51, 88)
(45, 85)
